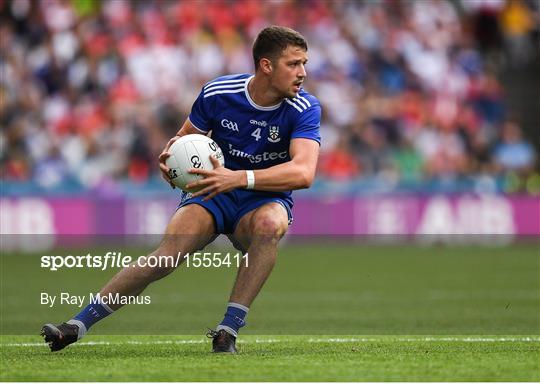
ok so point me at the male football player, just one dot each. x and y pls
(268, 129)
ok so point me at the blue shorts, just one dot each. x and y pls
(228, 208)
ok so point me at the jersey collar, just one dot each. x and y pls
(255, 105)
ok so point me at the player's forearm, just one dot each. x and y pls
(283, 177)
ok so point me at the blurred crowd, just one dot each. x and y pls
(91, 90)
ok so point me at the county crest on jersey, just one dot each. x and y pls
(252, 136)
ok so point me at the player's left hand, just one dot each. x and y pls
(217, 180)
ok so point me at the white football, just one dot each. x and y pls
(191, 151)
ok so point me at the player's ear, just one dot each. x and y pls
(266, 66)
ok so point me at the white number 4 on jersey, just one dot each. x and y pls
(257, 134)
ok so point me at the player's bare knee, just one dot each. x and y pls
(269, 226)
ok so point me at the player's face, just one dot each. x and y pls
(290, 71)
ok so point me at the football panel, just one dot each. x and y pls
(192, 160)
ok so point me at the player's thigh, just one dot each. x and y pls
(190, 229)
(269, 221)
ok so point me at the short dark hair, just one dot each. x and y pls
(271, 41)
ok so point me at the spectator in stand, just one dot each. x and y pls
(513, 153)
(517, 23)
(338, 163)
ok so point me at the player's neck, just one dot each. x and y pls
(261, 92)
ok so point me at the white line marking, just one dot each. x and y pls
(428, 339)
(311, 340)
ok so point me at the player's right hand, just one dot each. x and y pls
(164, 155)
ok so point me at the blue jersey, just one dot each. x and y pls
(252, 136)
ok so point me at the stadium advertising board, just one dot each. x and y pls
(438, 215)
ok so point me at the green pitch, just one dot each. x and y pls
(331, 311)
(276, 358)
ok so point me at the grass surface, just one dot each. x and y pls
(338, 289)
(276, 358)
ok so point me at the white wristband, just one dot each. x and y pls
(250, 179)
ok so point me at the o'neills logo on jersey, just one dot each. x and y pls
(254, 159)
(259, 123)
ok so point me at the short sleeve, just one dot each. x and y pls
(309, 124)
(200, 113)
